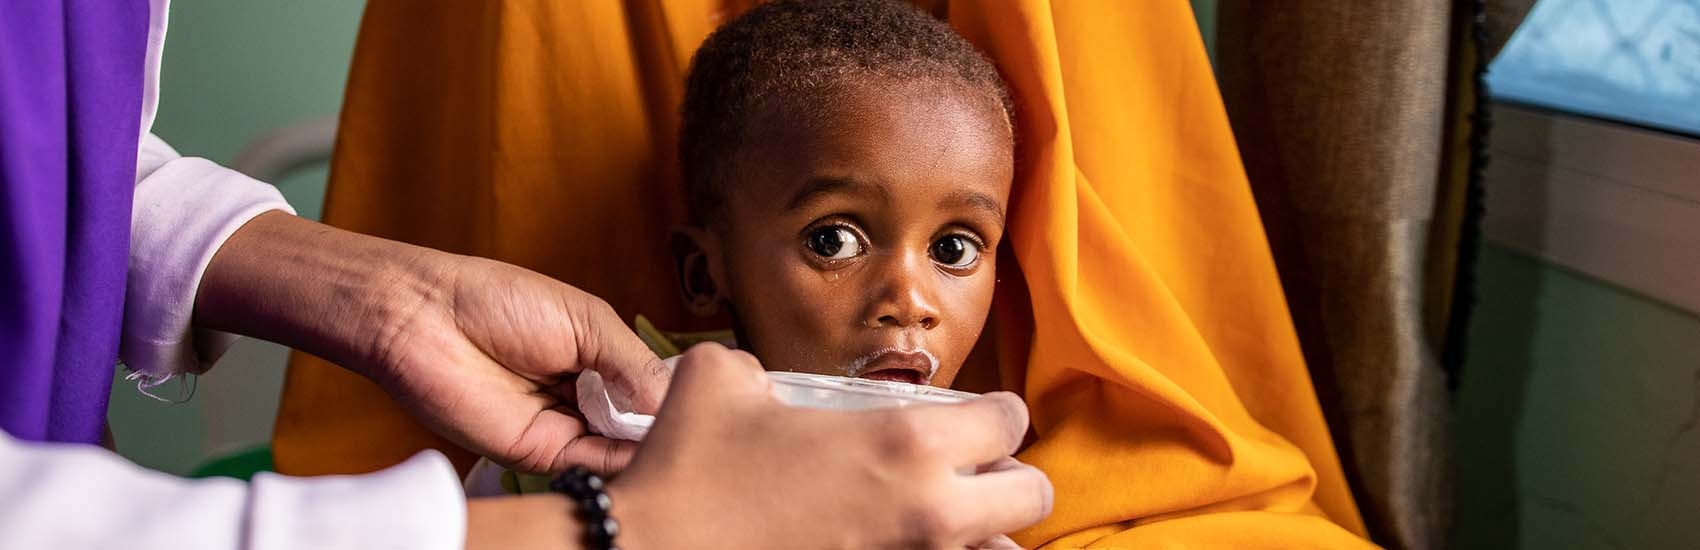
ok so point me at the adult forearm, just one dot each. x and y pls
(334, 293)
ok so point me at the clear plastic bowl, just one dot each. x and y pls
(820, 391)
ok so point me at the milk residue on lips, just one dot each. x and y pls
(857, 365)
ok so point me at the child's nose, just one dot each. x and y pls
(907, 298)
(926, 322)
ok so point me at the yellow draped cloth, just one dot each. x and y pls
(1144, 325)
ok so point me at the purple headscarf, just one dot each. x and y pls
(71, 77)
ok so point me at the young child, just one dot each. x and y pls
(848, 167)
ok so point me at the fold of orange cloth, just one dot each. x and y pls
(1144, 323)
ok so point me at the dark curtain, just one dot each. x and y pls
(1361, 131)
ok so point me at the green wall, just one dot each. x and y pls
(234, 69)
(1205, 12)
(1576, 420)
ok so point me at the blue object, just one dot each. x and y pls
(1634, 61)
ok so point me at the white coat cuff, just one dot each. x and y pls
(184, 210)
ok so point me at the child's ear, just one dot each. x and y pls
(695, 253)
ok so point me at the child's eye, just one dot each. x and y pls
(834, 243)
(955, 251)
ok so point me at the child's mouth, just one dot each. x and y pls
(896, 375)
(913, 367)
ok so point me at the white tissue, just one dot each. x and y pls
(611, 415)
(608, 416)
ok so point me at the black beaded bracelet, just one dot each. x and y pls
(594, 506)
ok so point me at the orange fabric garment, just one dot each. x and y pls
(1170, 403)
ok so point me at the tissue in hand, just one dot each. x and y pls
(611, 415)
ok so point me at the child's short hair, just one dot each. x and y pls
(802, 46)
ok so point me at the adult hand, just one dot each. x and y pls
(727, 465)
(491, 357)
(483, 352)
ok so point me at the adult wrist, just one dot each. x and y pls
(401, 292)
(333, 293)
(635, 510)
(522, 522)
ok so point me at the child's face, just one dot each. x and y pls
(860, 239)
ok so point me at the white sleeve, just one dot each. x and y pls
(184, 210)
(74, 497)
